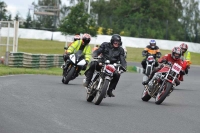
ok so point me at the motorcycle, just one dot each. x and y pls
(100, 83)
(150, 64)
(162, 83)
(72, 66)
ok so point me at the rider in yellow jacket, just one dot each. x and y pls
(80, 45)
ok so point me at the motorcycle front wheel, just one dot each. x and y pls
(69, 75)
(101, 92)
(160, 97)
(145, 96)
(148, 71)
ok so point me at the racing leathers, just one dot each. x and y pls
(108, 52)
(153, 51)
(166, 59)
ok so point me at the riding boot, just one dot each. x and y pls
(109, 93)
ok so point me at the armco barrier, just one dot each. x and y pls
(137, 69)
(34, 60)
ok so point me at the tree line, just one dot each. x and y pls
(158, 19)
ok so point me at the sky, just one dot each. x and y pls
(21, 7)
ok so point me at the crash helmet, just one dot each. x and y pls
(176, 53)
(116, 39)
(184, 47)
(152, 43)
(86, 38)
(77, 37)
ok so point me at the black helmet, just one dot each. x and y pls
(116, 37)
(86, 38)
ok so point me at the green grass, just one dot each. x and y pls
(135, 55)
(5, 70)
(56, 47)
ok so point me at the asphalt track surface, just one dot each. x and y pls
(42, 104)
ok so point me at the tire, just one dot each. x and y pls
(90, 98)
(160, 97)
(145, 96)
(148, 71)
(91, 95)
(101, 93)
(69, 75)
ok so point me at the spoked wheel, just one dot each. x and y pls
(101, 93)
(160, 97)
(145, 96)
(90, 96)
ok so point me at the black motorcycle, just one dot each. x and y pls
(100, 83)
(72, 66)
(150, 64)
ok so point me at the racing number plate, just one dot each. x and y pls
(176, 68)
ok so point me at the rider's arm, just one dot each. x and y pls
(99, 50)
(72, 47)
(158, 53)
(163, 59)
(122, 59)
(144, 52)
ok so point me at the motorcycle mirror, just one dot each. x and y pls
(107, 62)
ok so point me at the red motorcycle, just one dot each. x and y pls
(161, 85)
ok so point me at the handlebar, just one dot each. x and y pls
(120, 66)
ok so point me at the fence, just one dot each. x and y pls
(28, 60)
(8, 38)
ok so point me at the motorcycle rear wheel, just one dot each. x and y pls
(101, 93)
(160, 97)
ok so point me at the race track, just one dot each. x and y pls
(42, 104)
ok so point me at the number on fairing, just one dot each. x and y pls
(176, 68)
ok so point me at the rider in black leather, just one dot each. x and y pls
(109, 51)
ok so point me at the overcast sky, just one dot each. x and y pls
(21, 6)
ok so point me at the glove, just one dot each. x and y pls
(164, 61)
(87, 62)
(66, 56)
(186, 70)
(182, 72)
(169, 63)
(85, 66)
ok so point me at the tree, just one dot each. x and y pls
(28, 23)
(3, 10)
(78, 21)
(191, 20)
(141, 18)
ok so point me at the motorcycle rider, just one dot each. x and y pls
(109, 51)
(150, 49)
(185, 55)
(80, 45)
(95, 48)
(174, 57)
(76, 37)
